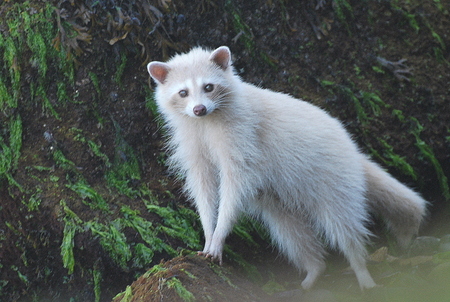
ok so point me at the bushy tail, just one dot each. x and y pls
(401, 208)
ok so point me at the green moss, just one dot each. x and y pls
(392, 159)
(127, 295)
(242, 30)
(97, 279)
(348, 93)
(369, 105)
(124, 252)
(439, 55)
(155, 269)
(34, 200)
(378, 69)
(61, 93)
(66, 67)
(21, 276)
(437, 37)
(93, 146)
(146, 230)
(67, 245)
(245, 229)
(178, 224)
(373, 101)
(428, 153)
(219, 271)
(411, 20)
(343, 11)
(95, 82)
(366, 104)
(7, 101)
(11, 57)
(272, 287)
(61, 160)
(182, 292)
(38, 47)
(30, 34)
(142, 255)
(125, 170)
(150, 103)
(15, 139)
(251, 270)
(120, 69)
(40, 95)
(189, 274)
(69, 213)
(71, 226)
(10, 148)
(90, 196)
(113, 241)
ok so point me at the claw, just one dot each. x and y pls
(209, 256)
(215, 259)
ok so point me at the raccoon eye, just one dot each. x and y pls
(183, 93)
(208, 87)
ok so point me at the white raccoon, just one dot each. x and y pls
(243, 149)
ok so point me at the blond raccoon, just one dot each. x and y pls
(243, 149)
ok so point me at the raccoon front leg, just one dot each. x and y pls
(231, 195)
(202, 184)
(207, 211)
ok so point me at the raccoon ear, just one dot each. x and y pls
(222, 57)
(158, 71)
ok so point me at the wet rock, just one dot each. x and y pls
(290, 295)
(444, 245)
(191, 278)
(445, 238)
(321, 295)
(296, 295)
(113, 96)
(440, 275)
(424, 245)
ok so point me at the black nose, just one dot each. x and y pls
(200, 110)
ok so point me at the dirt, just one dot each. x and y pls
(199, 276)
(395, 50)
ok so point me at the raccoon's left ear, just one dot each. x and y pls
(222, 57)
(158, 71)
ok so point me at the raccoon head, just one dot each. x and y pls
(194, 84)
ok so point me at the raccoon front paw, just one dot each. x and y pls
(203, 253)
(215, 258)
(205, 249)
(214, 252)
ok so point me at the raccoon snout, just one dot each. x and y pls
(200, 110)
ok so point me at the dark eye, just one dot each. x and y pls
(209, 87)
(183, 93)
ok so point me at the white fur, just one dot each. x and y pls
(276, 158)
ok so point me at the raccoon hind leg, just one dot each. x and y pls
(346, 231)
(297, 241)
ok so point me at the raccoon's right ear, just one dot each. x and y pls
(158, 71)
(222, 57)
